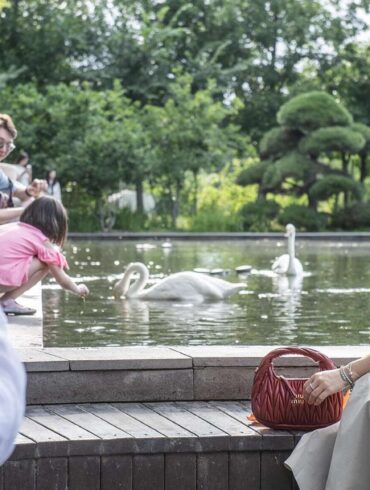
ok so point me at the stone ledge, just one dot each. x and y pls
(171, 357)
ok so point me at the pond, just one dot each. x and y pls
(330, 305)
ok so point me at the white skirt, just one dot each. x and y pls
(337, 457)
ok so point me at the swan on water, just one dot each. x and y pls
(179, 286)
(288, 264)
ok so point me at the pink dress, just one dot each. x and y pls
(19, 244)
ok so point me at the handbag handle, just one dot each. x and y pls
(324, 361)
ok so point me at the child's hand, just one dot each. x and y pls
(83, 290)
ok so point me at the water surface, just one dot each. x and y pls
(329, 306)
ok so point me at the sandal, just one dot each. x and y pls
(11, 307)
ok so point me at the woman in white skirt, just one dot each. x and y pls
(337, 457)
(12, 393)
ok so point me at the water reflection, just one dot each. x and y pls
(289, 290)
(332, 305)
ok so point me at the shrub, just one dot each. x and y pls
(278, 141)
(303, 218)
(311, 111)
(357, 216)
(253, 174)
(335, 184)
(257, 216)
(332, 139)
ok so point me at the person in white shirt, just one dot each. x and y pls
(24, 169)
(12, 393)
(53, 189)
(8, 187)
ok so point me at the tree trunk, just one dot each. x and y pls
(345, 161)
(363, 167)
(312, 203)
(176, 204)
(139, 197)
(195, 199)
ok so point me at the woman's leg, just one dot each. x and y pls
(37, 271)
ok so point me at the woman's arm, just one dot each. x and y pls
(324, 383)
(33, 190)
(9, 214)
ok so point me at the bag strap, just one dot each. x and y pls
(323, 360)
(10, 198)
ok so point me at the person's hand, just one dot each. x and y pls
(321, 385)
(36, 187)
(83, 290)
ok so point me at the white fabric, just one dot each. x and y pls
(337, 457)
(12, 393)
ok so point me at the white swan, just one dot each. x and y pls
(180, 286)
(288, 264)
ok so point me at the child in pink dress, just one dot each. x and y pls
(27, 254)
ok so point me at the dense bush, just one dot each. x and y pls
(293, 164)
(253, 174)
(278, 141)
(304, 218)
(332, 139)
(356, 216)
(257, 216)
(335, 184)
(313, 110)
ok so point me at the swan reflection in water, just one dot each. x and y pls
(187, 322)
(288, 301)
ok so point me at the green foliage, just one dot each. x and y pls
(253, 174)
(211, 219)
(365, 133)
(191, 133)
(220, 199)
(82, 215)
(130, 221)
(137, 91)
(313, 110)
(337, 138)
(257, 216)
(335, 184)
(277, 142)
(354, 217)
(293, 164)
(304, 218)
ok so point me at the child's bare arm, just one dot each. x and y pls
(66, 282)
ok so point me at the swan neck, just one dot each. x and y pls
(291, 246)
(134, 290)
(291, 252)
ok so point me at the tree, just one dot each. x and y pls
(300, 156)
(189, 133)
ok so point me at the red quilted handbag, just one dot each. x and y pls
(278, 402)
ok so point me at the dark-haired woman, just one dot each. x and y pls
(24, 169)
(53, 185)
(28, 253)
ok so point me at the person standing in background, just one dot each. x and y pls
(24, 169)
(53, 185)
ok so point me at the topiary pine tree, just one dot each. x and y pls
(308, 154)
